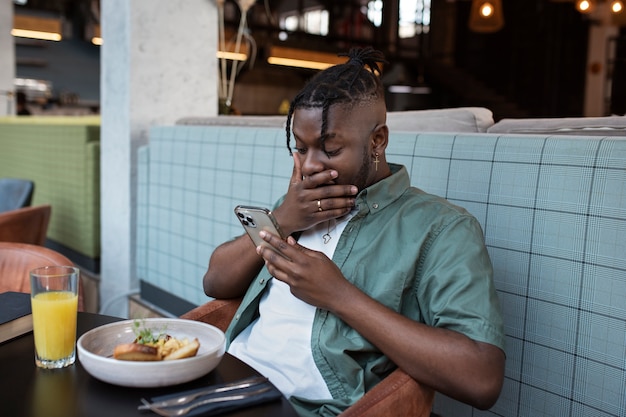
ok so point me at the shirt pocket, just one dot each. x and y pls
(389, 286)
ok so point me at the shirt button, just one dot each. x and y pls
(237, 316)
(262, 281)
(375, 205)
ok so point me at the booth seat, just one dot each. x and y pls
(461, 119)
(587, 126)
(61, 155)
(552, 207)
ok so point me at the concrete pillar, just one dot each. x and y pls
(7, 58)
(158, 64)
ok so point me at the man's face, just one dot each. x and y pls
(347, 148)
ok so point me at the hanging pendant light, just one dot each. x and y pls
(588, 6)
(486, 16)
(585, 6)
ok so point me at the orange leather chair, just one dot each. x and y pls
(25, 225)
(18, 259)
(397, 395)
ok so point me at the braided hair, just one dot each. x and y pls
(355, 81)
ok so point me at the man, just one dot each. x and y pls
(410, 281)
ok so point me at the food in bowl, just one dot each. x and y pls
(95, 353)
(155, 346)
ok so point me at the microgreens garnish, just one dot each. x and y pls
(144, 335)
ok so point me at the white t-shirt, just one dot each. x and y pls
(278, 343)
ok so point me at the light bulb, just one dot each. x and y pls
(584, 6)
(486, 9)
(617, 6)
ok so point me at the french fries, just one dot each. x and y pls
(186, 350)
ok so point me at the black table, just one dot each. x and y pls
(27, 391)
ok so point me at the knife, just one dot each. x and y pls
(186, 398)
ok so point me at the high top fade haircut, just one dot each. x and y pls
(354, 82)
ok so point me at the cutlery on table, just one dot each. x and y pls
(180, 411)
(187, 398)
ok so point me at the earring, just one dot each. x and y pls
(376, 160)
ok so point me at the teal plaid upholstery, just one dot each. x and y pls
(190, 179)
(553, 209)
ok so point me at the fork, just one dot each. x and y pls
(244, 383)
(173, 412)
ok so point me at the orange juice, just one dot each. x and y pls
(54, 324)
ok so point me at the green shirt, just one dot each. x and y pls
(415, 253)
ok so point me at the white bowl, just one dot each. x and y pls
(95, 353)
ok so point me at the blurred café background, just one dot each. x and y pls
(537, 58)
(124, 66)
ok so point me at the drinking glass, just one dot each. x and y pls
(54, 301)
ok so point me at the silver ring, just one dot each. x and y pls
(319, 205)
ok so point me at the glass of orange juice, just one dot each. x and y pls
(54, 301)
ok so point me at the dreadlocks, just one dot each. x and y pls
(355, 81)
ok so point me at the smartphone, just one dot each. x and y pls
(255, 219)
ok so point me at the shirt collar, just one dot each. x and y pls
(381, 194)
